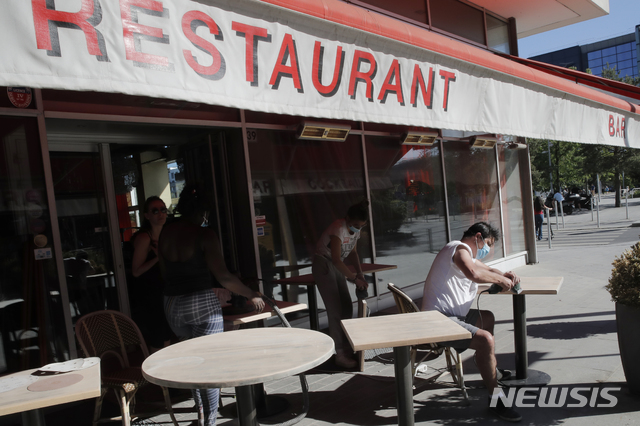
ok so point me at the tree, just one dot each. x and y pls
(566, 164)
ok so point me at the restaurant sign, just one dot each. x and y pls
(252, 55)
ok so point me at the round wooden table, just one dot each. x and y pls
(238, 359)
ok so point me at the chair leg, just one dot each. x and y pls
(98, 409)
(124, 407)
(167, 403)
(457, 374)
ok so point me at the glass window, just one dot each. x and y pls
(407, 203)
(595, 63)
(623, 47)
(512, 207)
(626, 72)
(634, 53)
(609, 51)
(301, 187)
(594, 55)
(497, 34)
(458, 18)
(625, 64)
(624, 55)
(415, 10)
(31, 316)
(611, 60)
(472, 189)
(596, 70)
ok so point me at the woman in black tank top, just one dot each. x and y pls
(191, 260)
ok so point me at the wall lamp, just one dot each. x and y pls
(324, 132)
(419, 138)
(483, 141)
(515, 145)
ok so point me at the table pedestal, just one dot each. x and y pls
(404, 385)
(33, 418)
(524, 375)
(313, 308)
(266, 405)
(247, 415)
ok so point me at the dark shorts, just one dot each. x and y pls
(468, 323)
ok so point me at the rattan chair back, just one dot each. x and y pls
(110, 332)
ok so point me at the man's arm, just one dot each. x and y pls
(357, 278)
(478, 272)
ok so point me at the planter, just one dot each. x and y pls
(628, 323)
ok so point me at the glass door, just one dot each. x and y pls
(81, 204)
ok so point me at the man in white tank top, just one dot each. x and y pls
(451, 287)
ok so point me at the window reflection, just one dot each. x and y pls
(299, 188)
(407, 201)
(472, 189)
(497, 34)
(512, 208)
(31, 321)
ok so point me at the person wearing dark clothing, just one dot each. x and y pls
(147, 288)
(538, 209)
(192, 263)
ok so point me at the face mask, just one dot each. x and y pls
(353, 229)
(482, 252)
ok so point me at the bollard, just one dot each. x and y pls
(430, 236)
(598, 211)
(548, 226)
(555, 208)
(591, 201)
(626, 202)
(562, 214)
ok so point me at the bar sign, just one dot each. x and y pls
(261, 220)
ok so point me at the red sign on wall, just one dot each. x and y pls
(20, 97)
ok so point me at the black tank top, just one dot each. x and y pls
(189, 276)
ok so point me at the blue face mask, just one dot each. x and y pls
(353, 229)
(482, 252)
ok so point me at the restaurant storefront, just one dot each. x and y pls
(115, 101)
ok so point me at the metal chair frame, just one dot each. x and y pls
(110, 334)
(454, 362)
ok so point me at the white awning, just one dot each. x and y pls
(257, 56)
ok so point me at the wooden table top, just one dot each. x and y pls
(390, 331)
(238, 358)
(66, 387)
(307, 279)
(285, 308)
(533, 285)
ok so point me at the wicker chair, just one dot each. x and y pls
(116, 339)
(431, 351)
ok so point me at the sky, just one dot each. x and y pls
(623, 17)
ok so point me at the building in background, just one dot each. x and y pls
(619, 52)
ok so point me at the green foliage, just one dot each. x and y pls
(624, 284)
(613, 74)
(389, 213)
(567, 164)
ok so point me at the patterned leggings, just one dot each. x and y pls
(194, 315)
